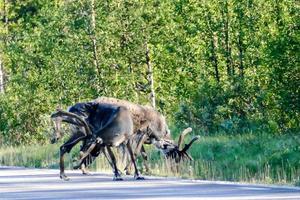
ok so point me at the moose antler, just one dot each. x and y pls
(176, 152)
(187, 146)
(182, 135)
(88, 151)
(82, 122)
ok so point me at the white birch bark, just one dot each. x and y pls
(150, 77)
(93, 37)
(1, 77)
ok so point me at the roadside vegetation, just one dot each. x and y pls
(245, 158)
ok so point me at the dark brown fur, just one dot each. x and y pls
(118, 132)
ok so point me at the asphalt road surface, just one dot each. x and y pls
(22, 183)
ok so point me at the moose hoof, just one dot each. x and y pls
(117, 179)
(64, 177)
(139, 178)
(86, 173)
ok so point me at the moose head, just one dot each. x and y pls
(173, 150)
(64, 116)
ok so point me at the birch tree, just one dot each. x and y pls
(1, 77)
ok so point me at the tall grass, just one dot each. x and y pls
(38, 156)
(244, 158)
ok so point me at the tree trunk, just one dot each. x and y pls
(150, 77)
(5, 20)
(241, 54)
(93, 37)
(241, 45)
(213, 46)
(214, 55)
(1, 77)
(227, 45)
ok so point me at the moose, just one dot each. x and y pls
(150, 127)
(104, 126)
(107, 122)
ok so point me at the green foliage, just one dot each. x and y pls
(221, 67)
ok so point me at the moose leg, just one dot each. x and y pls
(66, 148)
(145, 162)
(145, 159)
(138, 150)
(87, 159)
(84, 165)
(108, 158)
(136, 173)
(127, 168)
(85, 155)
(117, 176)
(62, 174)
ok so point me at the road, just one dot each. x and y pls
(22, 183)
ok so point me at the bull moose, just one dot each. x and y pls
(149, 127)
(97, 125)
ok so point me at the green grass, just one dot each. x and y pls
(244, 158)
(249, 158)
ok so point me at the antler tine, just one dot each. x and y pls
(187, 146)
(82, 121)
(188, 156)
(88, 151)
(182, 135)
